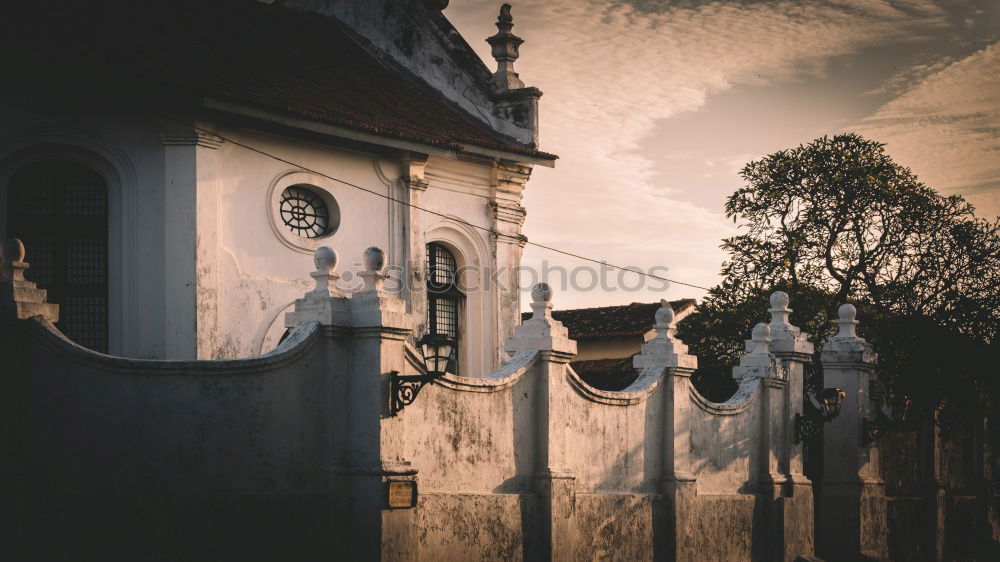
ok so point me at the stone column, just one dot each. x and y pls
(20, 299)
(508, 184)
(852, 521)
(190, 243)
(672, 536)
(367, 339)
(555, 483)
(788, 492)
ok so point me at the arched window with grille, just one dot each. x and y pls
(445, 300)
(60, 210)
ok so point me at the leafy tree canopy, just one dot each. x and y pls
(834, 221)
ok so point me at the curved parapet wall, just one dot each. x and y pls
(134, 452)
(300, 339)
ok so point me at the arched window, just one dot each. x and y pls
(444, 299)
(60, 210)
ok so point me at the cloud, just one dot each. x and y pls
(946, 128)
(612, 71)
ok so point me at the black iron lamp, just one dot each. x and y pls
(875, 428)
(832, 400)
(808, 424)
(403, 389)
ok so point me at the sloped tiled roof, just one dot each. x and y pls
(613, 321)
(240, 52)
(606, 374)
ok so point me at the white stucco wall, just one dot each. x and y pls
(200, 265)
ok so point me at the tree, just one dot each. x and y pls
(837, 220)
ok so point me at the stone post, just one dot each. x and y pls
(788, 493)
(852, 518)
(555, 483)
(367, 340)
(21, 299)
(673, 538)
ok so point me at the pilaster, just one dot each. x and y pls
(554, 482)
(190, 207)
(674, 536)
(783, 484)
(853, 511)
(507, 218)
(365, 444)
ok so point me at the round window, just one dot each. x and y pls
(308, 214)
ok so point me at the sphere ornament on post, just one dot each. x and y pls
(541, 302)
(12, 261)
(374, 262)
(325, 259)
(847, 314)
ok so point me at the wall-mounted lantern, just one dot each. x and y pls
(403, 389)
(875, 428)
(808, 424)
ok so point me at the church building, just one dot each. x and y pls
(172, 166)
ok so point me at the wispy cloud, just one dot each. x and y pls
(612, 71)
(946, 127)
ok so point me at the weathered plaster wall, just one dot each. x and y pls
(132, 459)
(527, 462)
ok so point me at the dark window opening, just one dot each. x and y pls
(60, 211)
(444, 299)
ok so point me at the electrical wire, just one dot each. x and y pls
(520, 239)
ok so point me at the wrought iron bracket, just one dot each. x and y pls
(807, 426)
(403, 389)
(873, 428)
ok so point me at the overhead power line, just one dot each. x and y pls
(435, 213)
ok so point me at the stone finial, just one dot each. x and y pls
(374, 261)
(541, 301)
(20, 298)
(664, 349)
(761, 336)
(846, 321)
(846, 348)
(786, 339)
(541, 331)
(664, 317)
(505, 50)
(12, 262)
(779, 308)
(325, 259)
(758, 361)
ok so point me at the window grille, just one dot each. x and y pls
(304, 212)
(444, 299)
(60, 210)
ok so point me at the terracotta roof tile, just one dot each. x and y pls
(612, 321)
(247, 53)
(606, 374)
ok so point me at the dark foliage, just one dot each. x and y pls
(838, 221)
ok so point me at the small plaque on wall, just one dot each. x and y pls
(402, 494)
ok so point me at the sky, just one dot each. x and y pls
(654, 106)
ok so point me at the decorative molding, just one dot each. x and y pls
(193, 138)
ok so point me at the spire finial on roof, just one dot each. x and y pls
(505, 50)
